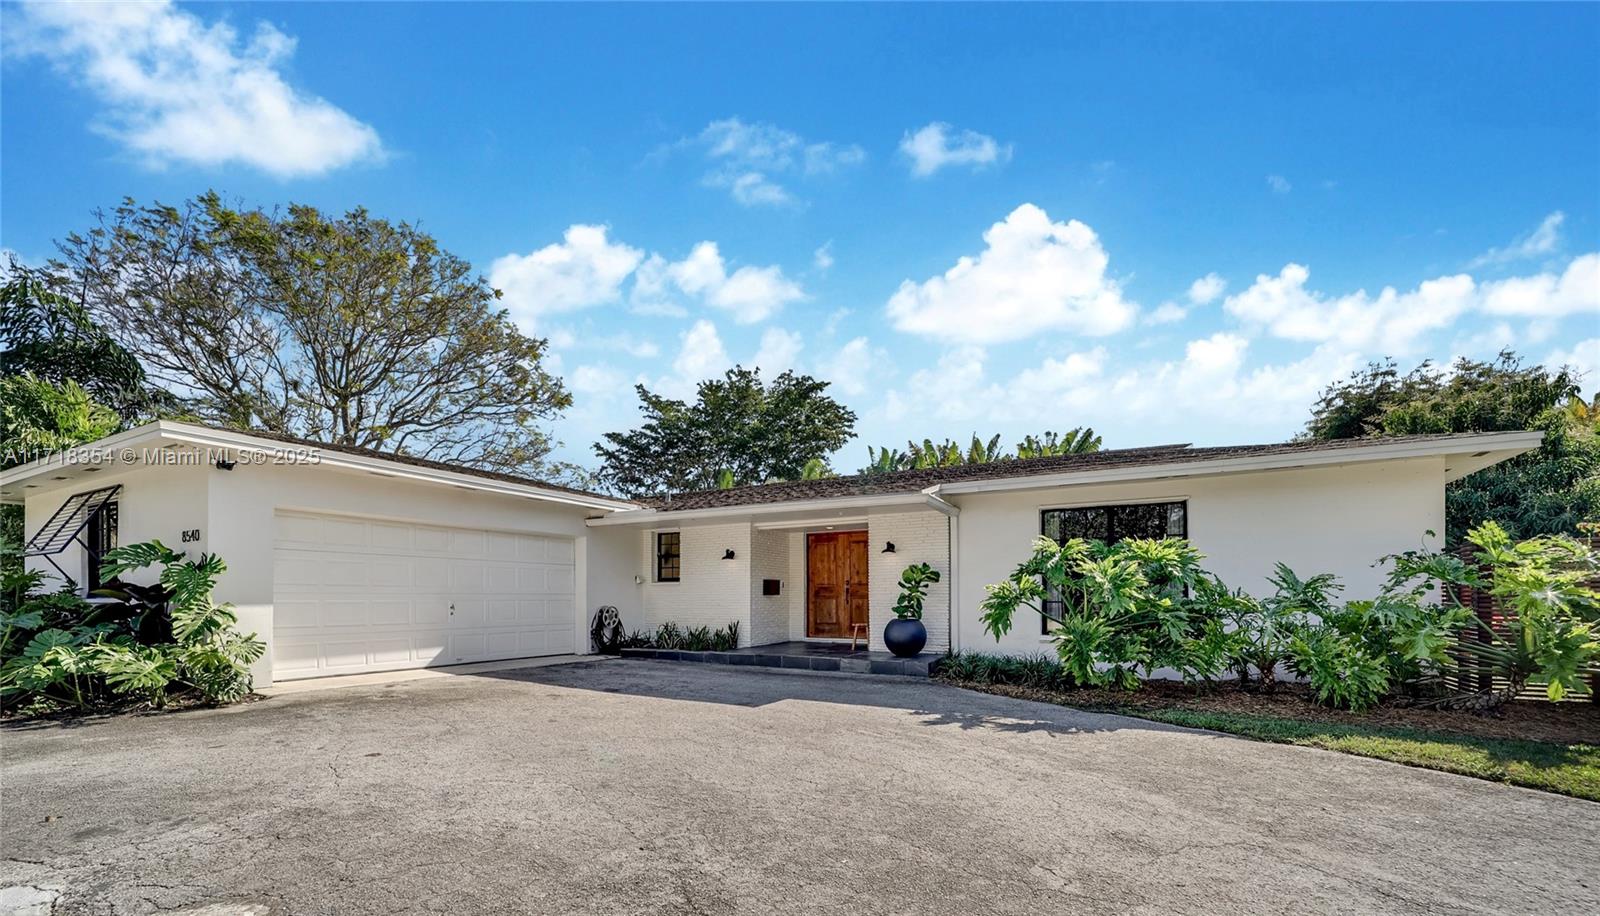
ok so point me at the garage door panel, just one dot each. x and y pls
(345, 573)
(467, 543)
(500, 578)
(431, 611)
(466, 576)
(339, 532)
(395, 650)
(391, 612)
(430, 573)
(560, 580)
(391, 573)
(292, 570)
(431, 540)
(391, 537)
(501, 546)
(559, 551)
(365, 595)
(346, 614)
(502, 610)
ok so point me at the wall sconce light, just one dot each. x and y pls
(224, 464)
(888, 547)
(638, 580)
(727, 554)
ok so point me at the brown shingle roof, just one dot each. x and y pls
(913, 481)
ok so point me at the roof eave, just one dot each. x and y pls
(169, 432)
(1499, 446)
(926, 499)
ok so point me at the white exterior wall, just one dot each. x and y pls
(769, 614)
(1336, 519)
(156, 504)
(711, 591)
(919, 537)
(796, 588)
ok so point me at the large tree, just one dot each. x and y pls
(738, 431)
(46, 334)
(351, 330)
(1550, 491)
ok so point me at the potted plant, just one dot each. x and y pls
(905, 635)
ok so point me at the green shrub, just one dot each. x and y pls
(1341, 670)
(694, 639)
(1039, 671)
(58, 650)
(1116, 609)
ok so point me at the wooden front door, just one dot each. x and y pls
(836, 583)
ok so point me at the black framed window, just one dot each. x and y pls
(1112, 524)
(669, 556)
(101, 537)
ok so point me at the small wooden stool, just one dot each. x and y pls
(857, 631)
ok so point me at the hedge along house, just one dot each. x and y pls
(348, 560)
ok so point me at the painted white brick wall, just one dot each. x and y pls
(919, 537)
(769, 614)
(711, 591)
(796, 586)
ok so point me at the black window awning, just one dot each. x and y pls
(68, 522)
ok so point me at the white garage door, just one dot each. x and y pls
(355, 594)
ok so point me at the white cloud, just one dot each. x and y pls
(701, 355)
(1205, 290)
(1541, 241)
(1167, 313)
(1210, 380)
(597, 381)
(177, 90)
(1395, 322)
(750, 293)
(1583, 356)
(583, 270)
(1286, 308)
(937, 145)
(747, 157)
(1279, 184)
(822, 258)
(1545, 295)
(853, 367)
(1034, 275)
(779, 351)
(751, 189)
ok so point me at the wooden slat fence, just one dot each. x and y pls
(1471, 675)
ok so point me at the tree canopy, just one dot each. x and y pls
(351, 330)
(1550, 491)
(46, 334)
(738, 431)
(949, 453)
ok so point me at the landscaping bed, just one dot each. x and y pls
(1554, 747)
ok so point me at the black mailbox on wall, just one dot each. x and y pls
(769, 586)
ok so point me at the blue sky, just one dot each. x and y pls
(1169, 223)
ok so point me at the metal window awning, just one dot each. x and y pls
(67, 524)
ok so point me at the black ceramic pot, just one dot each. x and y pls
(905, 637)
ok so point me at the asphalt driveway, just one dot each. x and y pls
(640, 787)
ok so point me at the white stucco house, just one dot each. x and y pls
(348, 560)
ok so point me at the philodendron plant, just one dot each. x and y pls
(914, 583)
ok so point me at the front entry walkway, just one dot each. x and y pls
(805, 656)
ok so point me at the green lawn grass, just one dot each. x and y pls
(1568, 769)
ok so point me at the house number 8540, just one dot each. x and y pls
(190, 535)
